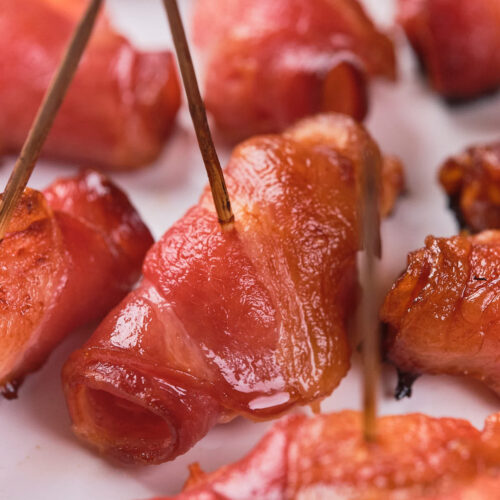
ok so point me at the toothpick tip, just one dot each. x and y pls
(227, 225)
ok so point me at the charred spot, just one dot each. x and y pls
(405, 384)
(29, 205)
(11, 388)
(480, 278)
(405, 379)
(41, 260)
(454, 206)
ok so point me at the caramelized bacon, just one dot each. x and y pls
(121, 105)
(415, 457)
(458, 43)
(472, 182)
(271, 63)
(70, 254)
(247, 322)
(442, 314)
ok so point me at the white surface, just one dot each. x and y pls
(40, 458)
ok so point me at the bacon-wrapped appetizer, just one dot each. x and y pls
(121, 105)
(472, 183)
(458, 43)
(415, 457)
(70, 254)
(442, 315)
(270, 63)
(245, 322)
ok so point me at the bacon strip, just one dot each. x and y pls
(415, 457)
(69, 256)
(249, 322)
(442, 314)
(458, 43)
(472, 182)
(121, 105)
(269, 64)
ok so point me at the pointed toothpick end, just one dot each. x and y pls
(227, 225)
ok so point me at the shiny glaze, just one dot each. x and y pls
(269, 64)
(472, 182)
(457, 41)
(246, 322)
(443, 313)
(415, 458)
(121, 104)
(70, 255)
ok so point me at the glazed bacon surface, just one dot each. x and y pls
(269, 64)
(442, 315)
(472, 182)
(416, 457)
(247, 322)
(70, 255)
(121, 105)
(458, 43)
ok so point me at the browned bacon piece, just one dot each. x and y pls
(458, 43)
(121, 105)
(415, 457)
(70, 254)
(442, 315)
(472, 182)
(246, 322)
(269, 64)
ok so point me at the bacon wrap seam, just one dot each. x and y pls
(457, 42)
(121, 105)
(269, 64)
(442, 314)
(69, 255)
(247, 322)
(415, 457)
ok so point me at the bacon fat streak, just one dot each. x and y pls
(269, 64)
(458, 43)
(121, 105)
(415, 458)
(247, 322)
(442, 315)
(70, 255)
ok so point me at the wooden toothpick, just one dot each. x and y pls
(370, 226)
(46, 114)
(199, 117)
